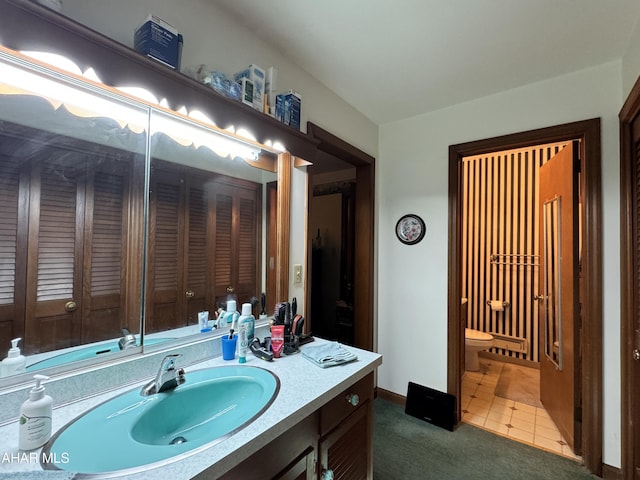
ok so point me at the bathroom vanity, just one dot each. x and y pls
(321, 419)
(145, 213)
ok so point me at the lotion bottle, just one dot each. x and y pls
(35, 417)
(246, 325)
(15, 362)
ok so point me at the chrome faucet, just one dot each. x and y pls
(128, 340)
(168, 377)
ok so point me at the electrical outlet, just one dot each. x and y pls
(297, 273)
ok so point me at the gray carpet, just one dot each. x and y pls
(521, 384)
(406, 448)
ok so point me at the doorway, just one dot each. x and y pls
(517, 289)
(352, 313)
(589, 339)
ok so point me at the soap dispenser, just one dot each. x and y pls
(15, 362)
(35, 417)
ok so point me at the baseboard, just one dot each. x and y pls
(392, 397)
(611, 473)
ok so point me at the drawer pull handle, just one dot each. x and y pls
(353, 399)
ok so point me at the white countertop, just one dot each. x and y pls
(304, 388)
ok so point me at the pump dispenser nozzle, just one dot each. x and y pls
(14, 351)
(15, 362)
(37, 392)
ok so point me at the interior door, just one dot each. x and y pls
(559, 314)
(633, 361)
(56, 226)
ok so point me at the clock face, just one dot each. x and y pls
(410, 229)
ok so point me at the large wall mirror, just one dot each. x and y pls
(105, 201)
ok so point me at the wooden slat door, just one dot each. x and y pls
(165, 258)
(105, 251)
(56, 226)
(236, 248)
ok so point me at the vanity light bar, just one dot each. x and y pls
(26, 74)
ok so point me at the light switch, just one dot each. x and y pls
(297, 273)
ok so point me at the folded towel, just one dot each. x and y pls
(328, 354)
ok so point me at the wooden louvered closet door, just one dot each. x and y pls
(178, 271)
(236, 241)
(77, 217)
(203, 238)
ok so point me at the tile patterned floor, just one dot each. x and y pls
(521, 422)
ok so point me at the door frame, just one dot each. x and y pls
(588, 131)
(629, 112)
(364, 231)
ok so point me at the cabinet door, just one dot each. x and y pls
(301, 469)
(347, 450)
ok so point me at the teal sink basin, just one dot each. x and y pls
(134, 432)
(85, 353)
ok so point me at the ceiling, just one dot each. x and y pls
(394, 59)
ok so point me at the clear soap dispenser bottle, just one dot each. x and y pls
(15, 362)
(35, 417)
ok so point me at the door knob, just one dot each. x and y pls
(636, 354)
(189, 294)
(70, 306)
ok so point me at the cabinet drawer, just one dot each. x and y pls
(336, 410)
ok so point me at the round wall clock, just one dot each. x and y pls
(410, 229)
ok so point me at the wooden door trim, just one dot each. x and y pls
(630, 111)
(283, 214)
(364, 230)
(591, 286)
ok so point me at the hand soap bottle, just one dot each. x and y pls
(246, 326)
(35, 417)
(15, 362)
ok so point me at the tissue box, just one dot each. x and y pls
(159, 40)
(288, 107)
(257, 77)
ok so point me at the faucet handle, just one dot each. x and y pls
(169, 362)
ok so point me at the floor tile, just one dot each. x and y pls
(515, 420)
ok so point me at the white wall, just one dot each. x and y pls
(412, 176)
(631, 62)
(213, 38)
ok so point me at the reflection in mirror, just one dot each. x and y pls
(208, 231)
(72, 163)
(552, 293)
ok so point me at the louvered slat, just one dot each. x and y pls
(223, 233)
(247, 241)
(9, 184)
(56, 236)
(167, 237)
(197, 254)
(106, 248)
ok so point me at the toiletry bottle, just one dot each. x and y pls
(15, 362)
(35, 417)
(246, 324)
(231, 314)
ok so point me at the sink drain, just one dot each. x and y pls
(177, 441)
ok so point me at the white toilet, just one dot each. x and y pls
(474, 342)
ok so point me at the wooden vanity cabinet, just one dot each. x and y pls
(346, 433)
(338, 436)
